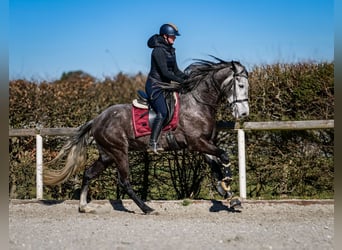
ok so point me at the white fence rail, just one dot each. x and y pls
(241, 128)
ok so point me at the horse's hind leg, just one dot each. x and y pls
(129, 190)
(93, 171)
(123, 170)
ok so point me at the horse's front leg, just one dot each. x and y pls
(224, 179)
(208, 147)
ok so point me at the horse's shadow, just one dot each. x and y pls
(218, 206)
(50, 202)
(118, 205)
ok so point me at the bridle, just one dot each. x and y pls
(235, 100)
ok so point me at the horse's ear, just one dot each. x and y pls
(237, 67)
(234, 68)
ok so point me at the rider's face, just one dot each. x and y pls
(170, 39)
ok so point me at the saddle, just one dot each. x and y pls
(143, 114)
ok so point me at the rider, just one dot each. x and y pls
(163, 69)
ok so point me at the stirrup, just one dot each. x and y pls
(154, 147)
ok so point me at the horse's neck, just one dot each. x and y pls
(207, 96)
(200, 102)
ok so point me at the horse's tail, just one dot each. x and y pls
(76, 159)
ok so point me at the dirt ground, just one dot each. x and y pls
(199, 225)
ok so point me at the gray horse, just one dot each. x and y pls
(210, 84)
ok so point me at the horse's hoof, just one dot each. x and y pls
(87, 209)
(152, 212)
(235, 204)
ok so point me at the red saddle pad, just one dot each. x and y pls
(140, 120)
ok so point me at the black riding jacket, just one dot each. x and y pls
(163, 62)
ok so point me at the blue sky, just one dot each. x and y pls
(105, 37)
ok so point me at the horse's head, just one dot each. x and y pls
(212, 82)
(235, 87)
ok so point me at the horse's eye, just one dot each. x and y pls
(241, 86)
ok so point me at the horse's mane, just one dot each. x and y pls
(197, 72)
(201, 66)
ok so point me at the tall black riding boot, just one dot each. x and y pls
(156, 129)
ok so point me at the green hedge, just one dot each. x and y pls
(279, 163)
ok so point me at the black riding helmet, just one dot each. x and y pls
(169, 29)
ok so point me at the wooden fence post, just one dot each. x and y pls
(39, 166)
(242, 163)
